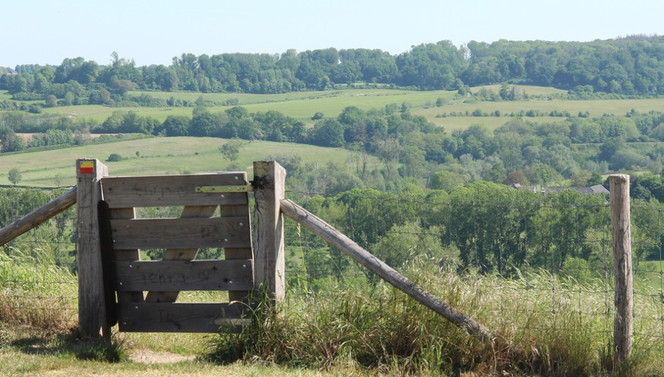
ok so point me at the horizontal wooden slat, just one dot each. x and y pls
(181, 233)
(175, 275)
(186, 317)
(172, 190)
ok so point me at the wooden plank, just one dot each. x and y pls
(108, 267)
(238, 253)
(182, 317)
(174, 275)
(91, 303)
(181, 233)
(622, 269)
(181, 254)
(38, 216)
(387, 273)
(269, 262)
(126, 298)
(175, 190)
(190, 212)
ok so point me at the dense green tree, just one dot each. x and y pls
(542, 174)
(231, 149)
(176, 125)
(404, 243)
(489, 236)
(9, 141)
(204, 123)
(516, 177)
(375, 66)
(446, 180)
(133, 123)
(431, 66)
(327, 132)
(14, 176)
(497, 174)
(559, 230)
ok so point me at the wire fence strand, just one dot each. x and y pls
(553, 250)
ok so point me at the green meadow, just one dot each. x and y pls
(300, 105)
(159, 155)
(303, 105)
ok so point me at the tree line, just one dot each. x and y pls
(482, 226)
(410, 148)
(626, 66)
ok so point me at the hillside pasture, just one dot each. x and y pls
(303, 105)
(595, 108)
(299, 105)
(100, 113)
(161, 155)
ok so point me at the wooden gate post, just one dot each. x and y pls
(269, 263)
(622, 268)
(91, 306)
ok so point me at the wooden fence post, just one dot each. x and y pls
(269, 263)
(91, 305)
(622, 268)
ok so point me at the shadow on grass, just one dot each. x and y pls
(39, 342)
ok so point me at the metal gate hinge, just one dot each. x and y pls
(224, 189)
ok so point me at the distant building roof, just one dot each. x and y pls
(529, 188)
(596, 189)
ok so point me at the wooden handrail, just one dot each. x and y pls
(38, 216)
(387, 273)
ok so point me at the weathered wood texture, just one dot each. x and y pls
(91, 301)
(38, 216)
(174, 275)
(185, 317)
(231, 253)
(182, 237)
(181, 233)
(375, 265)
(269, 264)
(125, 298)
(181, 254)
(177, 190)
(622, 267)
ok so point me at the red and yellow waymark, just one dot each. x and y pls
(87, 167)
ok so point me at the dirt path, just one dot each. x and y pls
(151, 357)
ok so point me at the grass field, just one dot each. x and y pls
(303, 105)
(300, 105)
(38, 353)
(650, 276)
(595, 108)
(544, 324)
(162, 155)
(100, 113)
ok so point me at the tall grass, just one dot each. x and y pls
(547, 326)
(35, 292)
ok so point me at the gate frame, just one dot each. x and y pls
(268, 242)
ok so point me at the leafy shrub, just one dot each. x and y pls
(114, 157)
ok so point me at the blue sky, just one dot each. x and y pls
(154, 31)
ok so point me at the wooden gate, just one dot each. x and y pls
(116, 286)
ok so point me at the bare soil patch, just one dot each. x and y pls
(146, 356)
